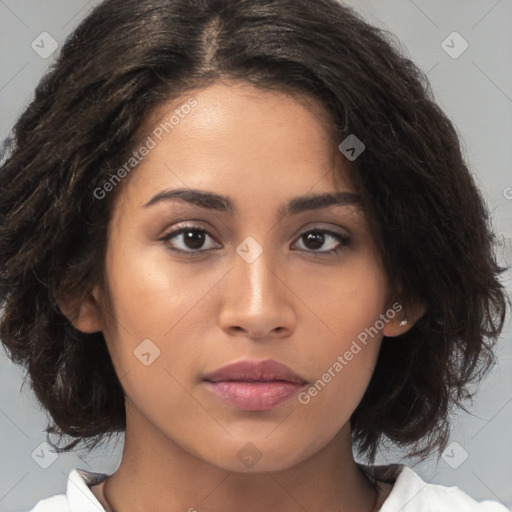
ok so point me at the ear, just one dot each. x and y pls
(403, 320)
(86, 314)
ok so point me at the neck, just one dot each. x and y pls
(158, 475)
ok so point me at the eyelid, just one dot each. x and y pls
(323, 226)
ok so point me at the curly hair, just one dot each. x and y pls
(130, 56)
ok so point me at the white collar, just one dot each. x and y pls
(79, 494)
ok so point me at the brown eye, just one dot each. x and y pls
(189, 239)
(316, 239)
(193, 239)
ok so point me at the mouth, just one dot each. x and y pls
(254, 385)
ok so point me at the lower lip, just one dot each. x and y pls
(254, 396)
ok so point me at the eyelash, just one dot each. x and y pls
(343, 240)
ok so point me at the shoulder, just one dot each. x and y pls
(412, 494)
(78, 497)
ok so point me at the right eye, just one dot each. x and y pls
(188, 239)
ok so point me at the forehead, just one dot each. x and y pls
(240, 140)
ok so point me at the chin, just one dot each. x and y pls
(260, 455)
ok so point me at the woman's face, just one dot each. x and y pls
(242, 268)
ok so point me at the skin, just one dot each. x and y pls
(296, 303)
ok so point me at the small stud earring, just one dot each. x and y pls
(403, 322)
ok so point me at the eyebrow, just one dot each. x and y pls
(224, 204)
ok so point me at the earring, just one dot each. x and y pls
(404, 322)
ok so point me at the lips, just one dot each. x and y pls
(254, 385)
(256, 371)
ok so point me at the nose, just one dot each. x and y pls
(257, 300)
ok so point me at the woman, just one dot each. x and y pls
(244, 234)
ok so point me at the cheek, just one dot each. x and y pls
(349, 304)
(151, 330)
(151, 293)
(346, 299)
(344, 367)
(145, 304)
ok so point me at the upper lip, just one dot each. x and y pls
(255, 371)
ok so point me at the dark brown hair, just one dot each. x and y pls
(130, 56)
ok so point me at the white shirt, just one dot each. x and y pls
(409, 494)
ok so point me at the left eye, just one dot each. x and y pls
(192, 239)
(318, 237)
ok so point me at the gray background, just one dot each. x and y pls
(475, 89)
